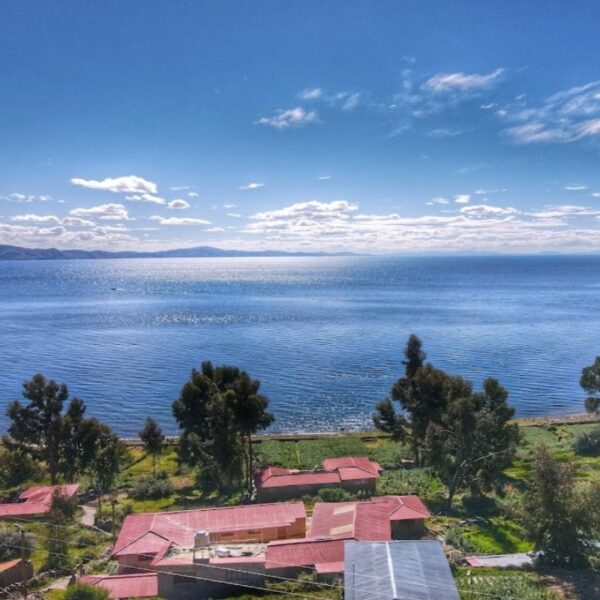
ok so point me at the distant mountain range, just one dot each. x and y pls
(18, 253)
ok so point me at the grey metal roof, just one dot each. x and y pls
(404, 570)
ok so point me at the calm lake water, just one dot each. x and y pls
(324, 335)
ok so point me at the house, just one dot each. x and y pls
(146, 537)
(35, 501)
(15, 571)
(352, 473)
(397, 571)
(288, 557)
(378, 519)
(119, 587)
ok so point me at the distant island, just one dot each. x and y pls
(19, 253)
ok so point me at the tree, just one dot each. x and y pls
(83, 591)
(153, 440)
(420, 394)
(552, 514)
(218, 410)
(15, 543)
(475, 440)
(36, 428)
(590, 382)
(106, 461)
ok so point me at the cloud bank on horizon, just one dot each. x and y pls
(391, 146)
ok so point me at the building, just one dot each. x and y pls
(352, 473)
(15, 571)
(144, 537)
(289, 557)
(35, 501)
(119, 587)
(397, 571)
(378, 519)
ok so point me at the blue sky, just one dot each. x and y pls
(301, 125)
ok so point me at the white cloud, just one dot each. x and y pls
(77, 222)
(461, 82)
(310, 94)
(438, 200)
(324, 177)
(228, 206)
(105, 212)
(234, 215)
(179, 220)
(576, 187)
(33, 218)
(488, 192)
(290, 118)
(462, 198)
(214, 229)
(18, 197)
(568, 116)
(252, 186)
(127, 184)
(484, 210)
(178, 204)
(145, 198)
(444, 132)
(193, 194)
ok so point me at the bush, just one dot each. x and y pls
(455, 537)
(63, 508)
(507, 586)
(85, 539)
(588, 444)
(152, 488)
(335, 494)
(421, 482)
(82, 591)
(17, 468)
(103, 520)
(11, 541)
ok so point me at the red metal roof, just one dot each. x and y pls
(361, 463)
(142, 534)
(9, 564)
(364, 521)
(326, 555)
(335, 470)
(36, 500)
(142, 585)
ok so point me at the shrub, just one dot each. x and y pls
(335, 494)
(85, 539)
(507, 586)
(63, 508)
(13, 543)
(421, 482)
(588, 444)
(17, 468)
(152, 488)
(455, 537)
(82, 591)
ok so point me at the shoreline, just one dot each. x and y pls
(370, 434)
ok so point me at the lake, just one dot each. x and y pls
(324, 335)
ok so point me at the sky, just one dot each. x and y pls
(381, 127)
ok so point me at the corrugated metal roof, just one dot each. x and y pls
(179, 527)
(9, 564)
(369, 520)
(36, 500)
(142, 585)
(324, 554)
(406, 570)
(335, 470)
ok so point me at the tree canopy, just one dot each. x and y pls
(590, 382)
(465, 436)
(153, 439)
(218, 411)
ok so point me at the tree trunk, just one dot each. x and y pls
(250, 465)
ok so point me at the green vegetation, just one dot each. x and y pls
(15, 543)
(489, 583)
(152, 488)
(81, 591)
(466, 437)
(153, 439)
(218, 411)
